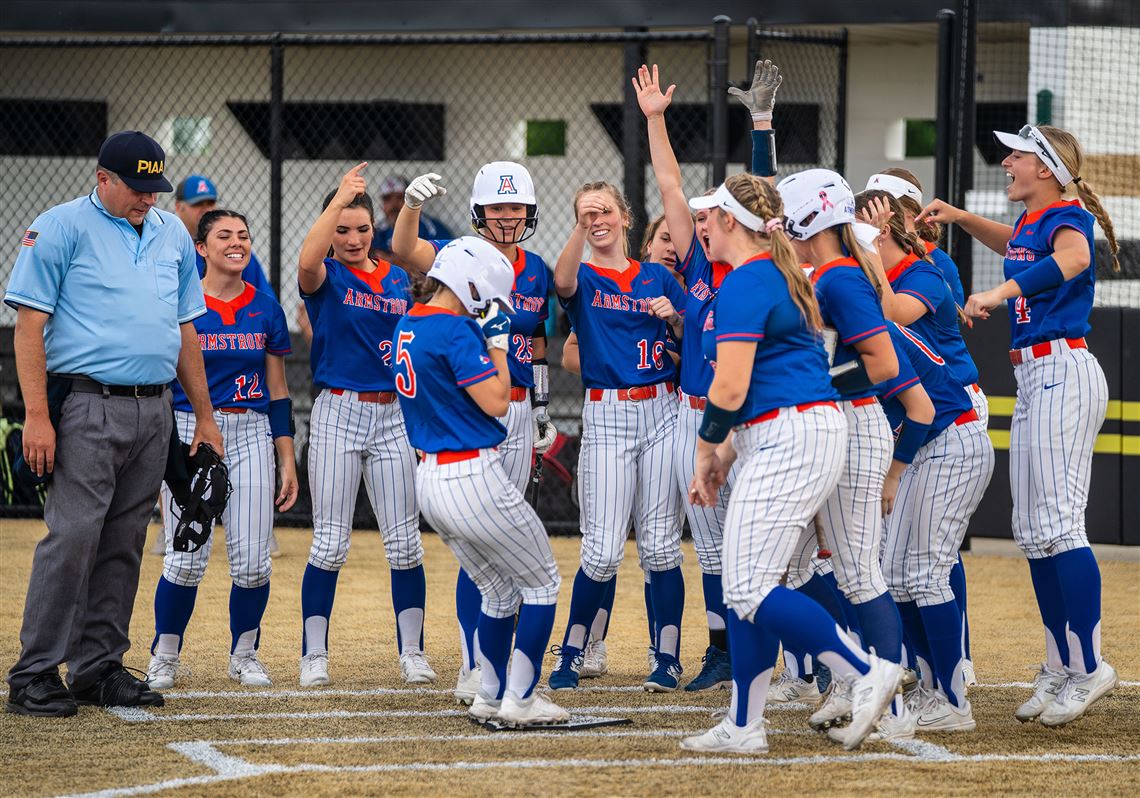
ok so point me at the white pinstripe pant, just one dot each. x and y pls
(981, 404)
(496, 536)
(248, 517)
(349, 439)
(1061, 403)
(789, 467)
(938, 493)
(706, 523)
(625, 469)
(516, 453)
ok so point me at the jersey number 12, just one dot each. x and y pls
(253, 391)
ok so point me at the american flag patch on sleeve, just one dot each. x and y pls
(30, 237)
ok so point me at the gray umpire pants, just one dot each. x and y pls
(109, 460)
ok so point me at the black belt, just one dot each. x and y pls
(88, 385)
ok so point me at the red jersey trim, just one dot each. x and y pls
(228, 310)
(624, 279)
(896, 271)
(375, 277)
(902, 387)
(420, 309)
(863, 335)
(819, 271)
(719, 272)
(1030, 218)
(520, 261)
(478, 377)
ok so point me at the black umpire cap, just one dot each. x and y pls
(137, 159)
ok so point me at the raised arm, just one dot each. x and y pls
(994, 235)
(409, 248)
(760, 100)
(566, 268)
(311, 264)
(678, 217)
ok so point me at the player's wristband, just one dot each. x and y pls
(281, 423)
(764, 153)
(540, 393)
(1041, 276)
(910, 439)
(716, 423)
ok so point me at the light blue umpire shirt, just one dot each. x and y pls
(116, 298)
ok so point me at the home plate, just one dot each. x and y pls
(576, 723)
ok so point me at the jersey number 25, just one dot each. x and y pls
(405, 372)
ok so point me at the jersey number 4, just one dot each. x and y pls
(253, 391)
(405, 372)
(658, 350)
(1021, 310)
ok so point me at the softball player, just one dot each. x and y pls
(244, 339)
(356, 426)
(454, 383)
(771, 385)
(1050, 270)
(621, 310)
(504, 212)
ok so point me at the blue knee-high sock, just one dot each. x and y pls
(943, 626)
(752, 648)
(958, 585)
(1054, 613)
(468, 601)
(409, 597)
(318, 589)
(601, 625)
(800, 661)
(584, 602)
(650, 616)
(668, 588)
(850, 620)
(495, 648)
(247, 606)
(794, 617)
(1079, 577)
(173, 606)
(916, 641)
(536, 621)
(882, 627)
(715, 611)
(824, 591)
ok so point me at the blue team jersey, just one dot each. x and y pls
(939, 324)
(528, 297)
(252, 274)
(622, 344)
(439, 354)
(919, 363)
(949, 270)
(235, 337)
(849, 305)
(1061, 312)
(353, 315)
(703, 280)
(790, 368)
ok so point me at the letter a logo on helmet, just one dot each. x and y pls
(507, 184)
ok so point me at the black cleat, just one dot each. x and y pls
(43, 697)
(119, 688)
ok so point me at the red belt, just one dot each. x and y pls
(632, 394)
(967, 417)
(1019, 356)
(518, 394)
(233, 409)
(866, 400)
(695, 402)
(444, 458)
(771, 414)
(374, 397)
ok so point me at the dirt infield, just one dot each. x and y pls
(369, 734)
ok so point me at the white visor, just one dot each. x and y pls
(722, 198)
(1030, 139)
(895, 186)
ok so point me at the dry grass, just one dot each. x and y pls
(98, 750)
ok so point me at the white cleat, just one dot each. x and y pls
(163, 672)
(651, 658)
(939, 715)
(969, 675)
(483, 708)
(728, 737)
(414, 667)
(788, 689)
(467, 685)
(533, 711)
(594, 660)
(315, 669)
(870, 695)
(889, 727)
(1077, 694)
(248, 670)
(1046, 685)
(836, 707)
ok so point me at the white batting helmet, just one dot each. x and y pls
(504, 182)
(815, 200)
(475, 272)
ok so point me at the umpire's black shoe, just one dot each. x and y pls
(43, 697)
(118, 687)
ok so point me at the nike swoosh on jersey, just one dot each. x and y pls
(258, 313)
(1047, 386)
(531, 278)
(647, 282)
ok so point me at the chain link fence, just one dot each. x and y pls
(274, 121)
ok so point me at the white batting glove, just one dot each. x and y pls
(761, 96)
(422, 189)
(496, 327)
(544, 432)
